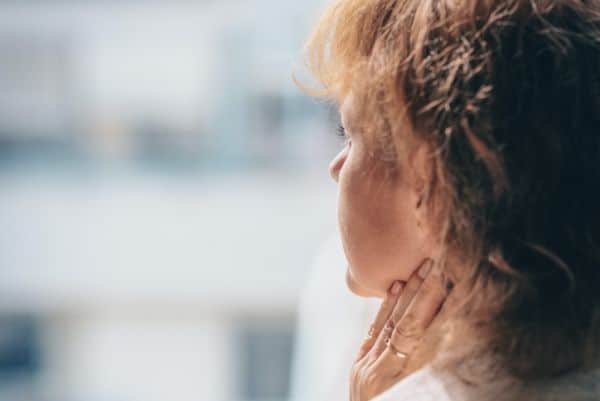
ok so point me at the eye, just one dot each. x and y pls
(341, 132)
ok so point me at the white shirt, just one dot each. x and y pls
(422, 385)
(425, 385)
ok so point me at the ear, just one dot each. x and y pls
(423, 167)
(421, 170)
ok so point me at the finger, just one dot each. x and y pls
(378, 380)
(407, 295)
(404, 300)
(419, 315)
(382, 317)
(381, 341)
(411, 328)
(391, 363)
(411, 289)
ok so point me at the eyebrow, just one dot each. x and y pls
(348, 121)
(343, 111)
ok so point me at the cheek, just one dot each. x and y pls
(378, 227)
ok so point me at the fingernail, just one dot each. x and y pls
(396, 287)
(425, 269)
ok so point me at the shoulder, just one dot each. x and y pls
(428, 384)
(577, 386)
(423, 385)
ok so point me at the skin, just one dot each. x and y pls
(377, 214)
(406, 314)
(389, 255)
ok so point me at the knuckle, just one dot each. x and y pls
(371, 379)
(358, 371)
(434, 287)
(410, 319)
(359, 366)
(364, 348)
(397, 315)
(409, 329)
(372, 330)
(386, 328)
(386, 304)
(429, 284)
(361, 353)
(413, 284)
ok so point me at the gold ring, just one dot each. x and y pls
(392, 347)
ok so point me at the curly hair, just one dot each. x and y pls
(506, 96)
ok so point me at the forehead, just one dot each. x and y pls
(374, 131)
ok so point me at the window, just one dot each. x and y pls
(264, 350)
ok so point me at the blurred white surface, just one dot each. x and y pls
(163, 188)
(141, 284)
(229, 243)
(332, 324)
(137, 355)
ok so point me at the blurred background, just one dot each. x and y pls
(163, 194)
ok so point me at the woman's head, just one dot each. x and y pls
(475, 140)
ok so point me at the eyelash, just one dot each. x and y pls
(341, 132)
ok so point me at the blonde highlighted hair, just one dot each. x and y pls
(506, 97)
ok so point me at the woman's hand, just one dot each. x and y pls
(405, 315)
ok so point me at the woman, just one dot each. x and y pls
(468, 193)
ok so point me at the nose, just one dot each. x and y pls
(336, 164)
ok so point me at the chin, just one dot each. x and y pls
(358, 289)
